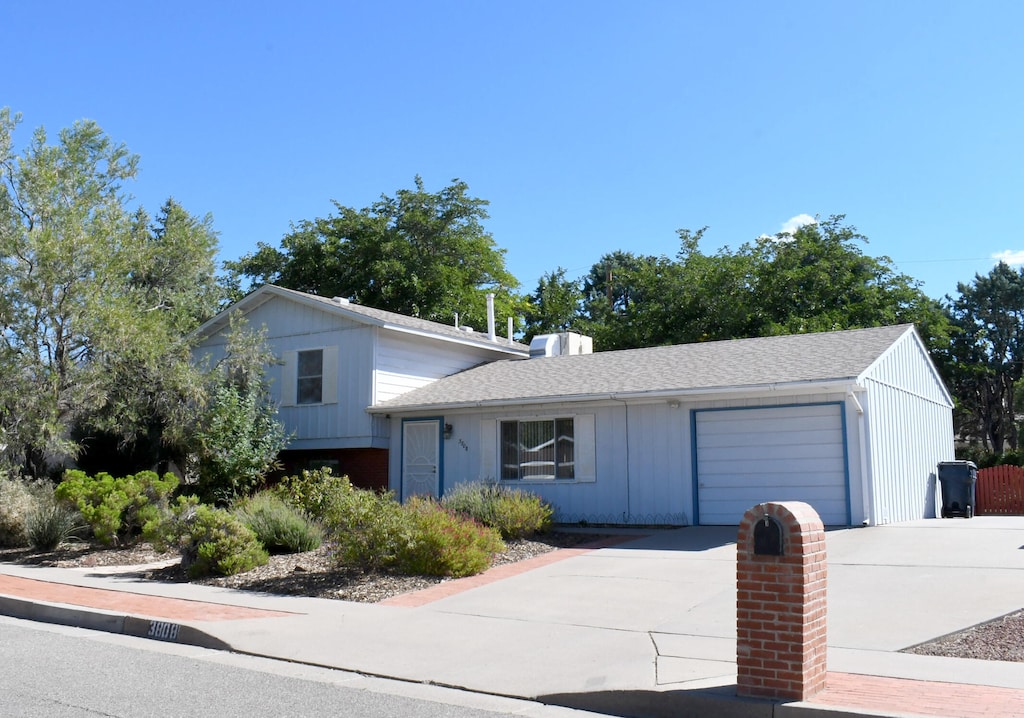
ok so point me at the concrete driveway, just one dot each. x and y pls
(890, 587)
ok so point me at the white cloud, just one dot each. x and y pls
(794, 223)
(789, 227)
(1013, 257)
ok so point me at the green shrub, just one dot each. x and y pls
(280, 527)
(446, 543)
(471, 499)
(373, 531)
(51, 523)
(984, 458)
(18, 499)
(369, 530)
(313, 492)
(117, 508)
(170, 530)
(520, 514)
(236, 436)
(211, 541)
(513, 512)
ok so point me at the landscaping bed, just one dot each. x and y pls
(312, 573)
(999, 640)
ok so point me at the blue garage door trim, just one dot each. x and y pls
(758, 424)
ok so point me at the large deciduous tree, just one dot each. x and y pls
(627, 300)
(554, 306)
(818, 279)
(635, 301)
(815, 279)
(94, 304)
(424, 254)
(151, 387)
(985, 356)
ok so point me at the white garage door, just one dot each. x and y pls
(747, 456)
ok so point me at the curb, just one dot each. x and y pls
(109, 622)
(648, 704)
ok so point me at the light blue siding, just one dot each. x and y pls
(405, 362)
(373, 364)
(909, 423)
(746, 456)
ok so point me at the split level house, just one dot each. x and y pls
(852, 422)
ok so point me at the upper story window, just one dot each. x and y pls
(309, 388)
(309, 377)
(532, 450)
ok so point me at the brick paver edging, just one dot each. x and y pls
(931, 698)
(175, 609)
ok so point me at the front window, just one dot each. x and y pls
(310, 387)
(533, 450)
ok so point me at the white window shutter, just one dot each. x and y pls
(330, 376)
(489, 450)
(586, 448)
(289, 378)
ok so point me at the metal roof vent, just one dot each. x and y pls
(339, 300)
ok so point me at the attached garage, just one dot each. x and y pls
(745, 456)
(852, 422)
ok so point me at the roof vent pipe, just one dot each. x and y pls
(490, 316)
(510, 325)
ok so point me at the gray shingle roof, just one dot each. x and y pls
(424, 326)
(793, 359)
(364, 314)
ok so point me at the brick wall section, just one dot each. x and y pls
(781, 606)
(365, 468)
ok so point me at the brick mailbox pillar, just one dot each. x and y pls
(780, 602)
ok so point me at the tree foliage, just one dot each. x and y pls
(62, 227)
(419, 253)
(984, 360)
(815, 279)
(94, 303)
(623, 300)
(152, 386)
(554, 306)
(237, 435)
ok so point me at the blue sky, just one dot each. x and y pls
(590, 126)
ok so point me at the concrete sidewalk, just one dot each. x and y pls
(644, 628)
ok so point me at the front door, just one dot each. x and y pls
(421, 452)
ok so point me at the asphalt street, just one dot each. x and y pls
(62, 672)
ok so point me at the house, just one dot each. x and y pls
(852, 422)
(336, 359)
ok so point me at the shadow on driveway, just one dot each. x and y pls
(690, 538)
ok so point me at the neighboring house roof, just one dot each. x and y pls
(710, 367)
(364, 315)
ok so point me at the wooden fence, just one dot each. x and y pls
(1000, 491)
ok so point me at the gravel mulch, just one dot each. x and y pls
(998, 640)
(313, 573)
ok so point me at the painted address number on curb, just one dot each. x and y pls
(163, 631)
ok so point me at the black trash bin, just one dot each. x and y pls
(957, 479)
